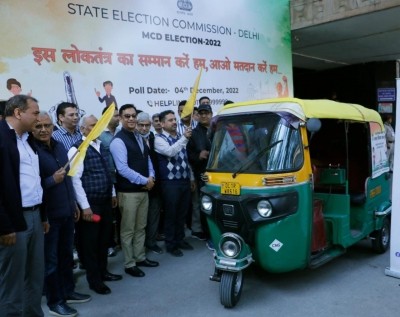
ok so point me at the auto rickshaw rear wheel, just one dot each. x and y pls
(231, 288)
(381, 238)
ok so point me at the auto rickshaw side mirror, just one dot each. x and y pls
(313, 125)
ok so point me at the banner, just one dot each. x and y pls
(394, 268)
(379, 157)
(146, 52)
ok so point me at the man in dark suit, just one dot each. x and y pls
(61, 210)
(153, 217)
(22, 219)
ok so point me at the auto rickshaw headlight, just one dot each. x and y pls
(206, 204)
(264, 208)
(230, 249)
(230, 245)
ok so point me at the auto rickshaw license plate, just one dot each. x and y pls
(230, 188)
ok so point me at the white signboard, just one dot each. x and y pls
(147, 52)
(394, 269)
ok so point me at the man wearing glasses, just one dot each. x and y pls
(61, 210)
(153, 216)
(135, 177)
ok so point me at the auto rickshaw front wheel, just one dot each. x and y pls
(381, 237)
(230, 288)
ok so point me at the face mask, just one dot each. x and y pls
(145, 135)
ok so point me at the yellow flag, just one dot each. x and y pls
(189, 107)
(79, 156)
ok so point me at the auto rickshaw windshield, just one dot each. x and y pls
(256, 143)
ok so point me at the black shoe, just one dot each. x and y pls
(109, 277)
(100, 288)
(134, 271)
(175, 252)
(76, 298)
(184, 245)
(156, 249)
(62, 310)
(199, 235)
(147, 263)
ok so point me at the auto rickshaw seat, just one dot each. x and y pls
(329, 179)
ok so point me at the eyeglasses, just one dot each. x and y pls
(41, 126)
(143, 125)
(128, 116)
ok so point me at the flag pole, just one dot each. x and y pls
(71, 159)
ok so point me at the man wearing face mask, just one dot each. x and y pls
(153, 217)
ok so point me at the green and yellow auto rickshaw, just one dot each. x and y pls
(291, 184)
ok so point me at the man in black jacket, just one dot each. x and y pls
(61, 210)
(135, 177)
(22, 219)
(153, 217)
(198, 148)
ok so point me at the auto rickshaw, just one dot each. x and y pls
(291, 184)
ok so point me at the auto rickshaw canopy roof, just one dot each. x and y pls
(305, 109)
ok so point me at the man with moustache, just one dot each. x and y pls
(61, 210)
(22, 218)
(95, 195)
(175, 178)
(155, 122)
(135, 177)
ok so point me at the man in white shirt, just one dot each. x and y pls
(95, 196)
(21, 223)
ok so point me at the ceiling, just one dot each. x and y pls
(359, 39)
